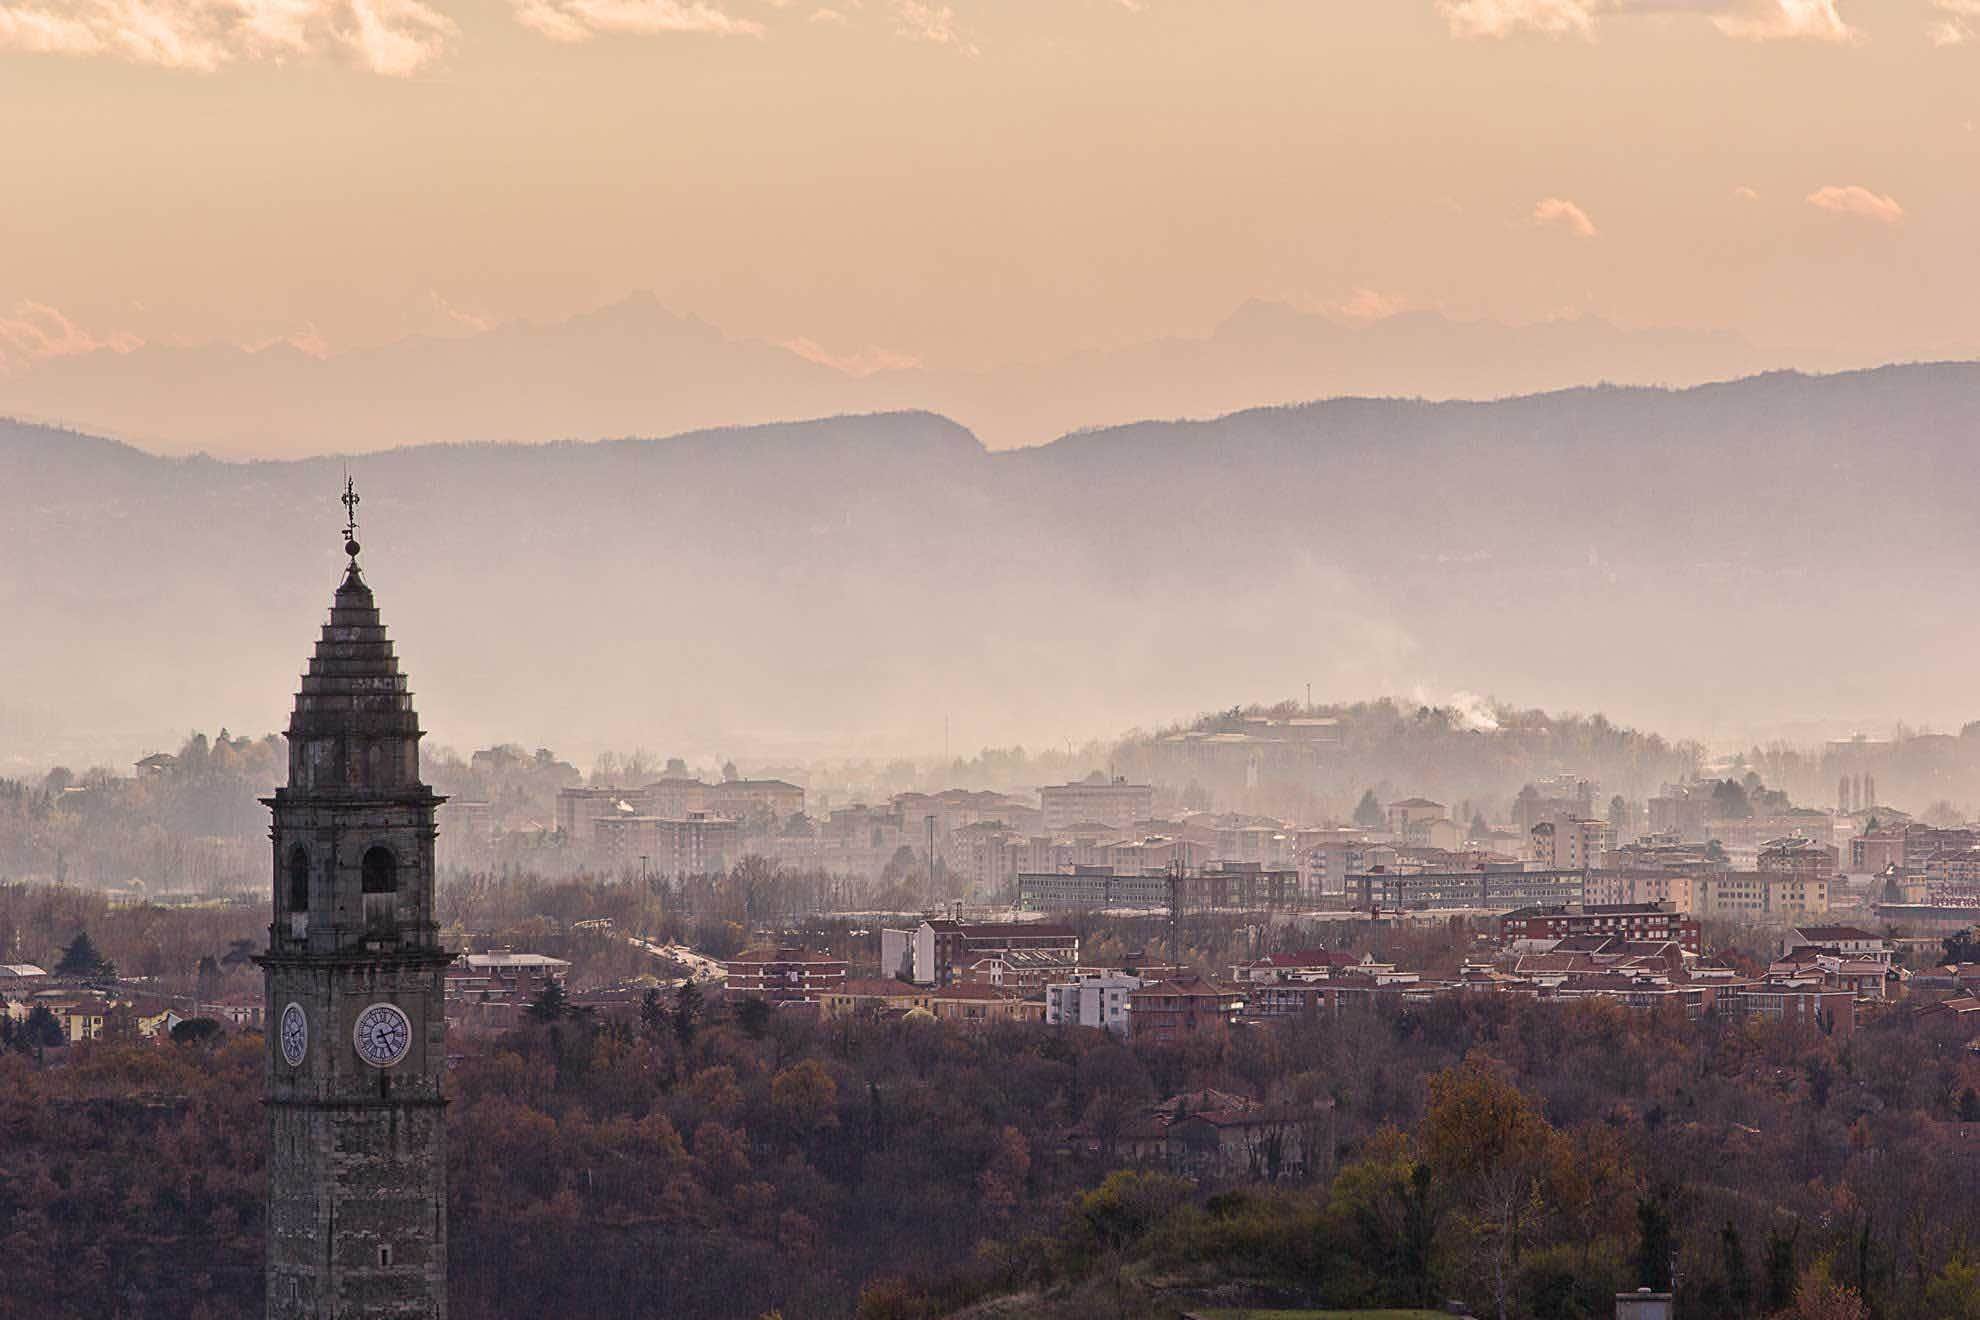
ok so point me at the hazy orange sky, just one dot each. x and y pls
(983, 181)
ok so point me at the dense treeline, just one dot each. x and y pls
(197, 826)
(162, 946)
(1528, 1158)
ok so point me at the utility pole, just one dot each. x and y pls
(932, 900)
(1175, 908)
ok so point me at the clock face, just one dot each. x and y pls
(382, 1035)
(295, 1034)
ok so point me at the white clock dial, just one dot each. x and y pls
(295, 1034)
(383, 1035)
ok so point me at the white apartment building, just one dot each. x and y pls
(1094, 999)
(1115, 803)
(1570, 845)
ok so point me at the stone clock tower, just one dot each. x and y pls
(357, 1168)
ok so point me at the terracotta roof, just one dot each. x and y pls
(1183, 987)
(874, 987)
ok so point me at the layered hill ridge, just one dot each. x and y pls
(1706, 561)
(635, 367)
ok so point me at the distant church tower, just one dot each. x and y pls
(357, 1167)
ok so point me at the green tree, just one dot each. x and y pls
(652, 1013)
(1739, 1281)
(1484, 1137)
(1368, 812)
(1779, 1266)
(41, 1029)
(1654, 1243)
(551, 1004)
(1729, 801)
(753, 1016)
(805, 1097)
(1955, 1293)
(687, 1012)
(81, 958)
(196, 1031)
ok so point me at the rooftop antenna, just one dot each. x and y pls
(350, 502)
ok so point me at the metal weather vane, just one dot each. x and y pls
(350, 500)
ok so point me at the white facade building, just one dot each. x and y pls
(1093, 1000)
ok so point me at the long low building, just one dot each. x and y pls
(1629, 921)
(1403, 890)
(968, 1004)
(785, 974)
(1228, 885)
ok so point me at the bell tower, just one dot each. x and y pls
(357, 1169)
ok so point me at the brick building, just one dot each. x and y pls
(1629, 921)
(785, 974)
(939, 949)
(1182, 1009)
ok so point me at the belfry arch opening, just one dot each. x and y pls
(381, 871)
(298, 879)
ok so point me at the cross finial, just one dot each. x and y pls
(350, 517)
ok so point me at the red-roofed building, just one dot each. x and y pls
(1846, 940)
(1656, 922)
(1182, 1009)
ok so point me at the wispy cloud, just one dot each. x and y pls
(1500, 18)
(1561, 213)
(35, 332)
(391, 37)
(1852, 199)
(1785, 20)
(1746, 194)
(933, 23)
(1956, 27)
(580, 20)
(1752, 20)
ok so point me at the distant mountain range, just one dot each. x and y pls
(635, 368)
(1700, 561)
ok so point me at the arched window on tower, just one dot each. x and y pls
(381, 871)
(381, 887)
(298, 892)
